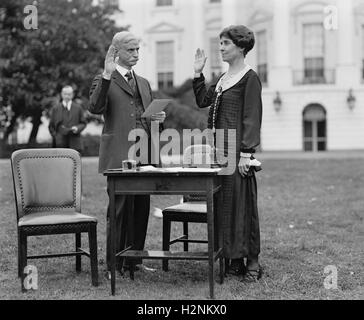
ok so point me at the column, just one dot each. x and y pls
(229, 12)
(280, 75)
(197, 31)
(346, 69)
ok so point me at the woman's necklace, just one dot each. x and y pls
(228, 77)
(215, 108)
(225, 81)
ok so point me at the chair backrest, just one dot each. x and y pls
(198, 155)
(201, 156)
(46, 180)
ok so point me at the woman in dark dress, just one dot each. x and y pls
(236, 103)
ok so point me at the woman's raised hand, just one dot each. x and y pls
(200, 60)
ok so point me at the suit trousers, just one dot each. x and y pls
(68, 141)
(140, 206)
(62, 141)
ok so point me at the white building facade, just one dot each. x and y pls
(308, 54)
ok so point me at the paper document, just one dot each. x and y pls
(186, 169)
(148, 168)
(157, 105)
(255, 163)
(175, 169)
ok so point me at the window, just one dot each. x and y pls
(215, 57)
(163, 3)
(314, 70)
(314, 128)
(165, 64)
(262, 56)
(313, 53)
(165, 80)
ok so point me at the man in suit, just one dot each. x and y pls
(67, 122)
(121, 96)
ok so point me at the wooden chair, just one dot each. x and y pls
(47, 188)
(193, 208)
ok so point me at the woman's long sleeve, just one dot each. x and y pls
(202, 95)
(252, 115)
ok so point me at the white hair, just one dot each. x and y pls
(67, 87)
(123, 37)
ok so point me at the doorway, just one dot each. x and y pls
(314, 128)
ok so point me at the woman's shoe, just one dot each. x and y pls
(252, 275)
(236, 268)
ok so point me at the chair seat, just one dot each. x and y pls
(51, 217)
(193, 206)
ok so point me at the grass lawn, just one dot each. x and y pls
(311, 216)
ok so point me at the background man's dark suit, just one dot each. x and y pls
(61, 122)
(115, 100)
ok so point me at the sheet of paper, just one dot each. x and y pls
(185, 169)
(255, 163)
(157, 105)
(168, 169)
(148, 168)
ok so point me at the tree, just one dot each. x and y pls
(183, 112)
(68, 47)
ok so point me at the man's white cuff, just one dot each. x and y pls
(106, 76)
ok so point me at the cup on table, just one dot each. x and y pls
(129, 164)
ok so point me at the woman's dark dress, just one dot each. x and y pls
(240, 109)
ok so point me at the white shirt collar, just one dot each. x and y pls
(228, 83)
(67, 105)
(123, 71)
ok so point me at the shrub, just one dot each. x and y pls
(90, 147)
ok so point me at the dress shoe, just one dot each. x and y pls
(235, 268)
(147, 269)
(107, 275)
(139, 267)
(252, 275)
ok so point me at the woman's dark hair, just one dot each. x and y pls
(241, 36)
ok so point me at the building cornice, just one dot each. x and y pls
(164, 27)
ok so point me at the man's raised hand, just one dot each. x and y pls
(110, 64)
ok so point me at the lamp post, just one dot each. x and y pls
(351, 100)
(277, 102)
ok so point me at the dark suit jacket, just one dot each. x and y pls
(114, 100)
(60, 128)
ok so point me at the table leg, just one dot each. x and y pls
(130, 237)
(210, 235)
(218, 235)
(112, 233)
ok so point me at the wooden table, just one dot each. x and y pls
(165, 181)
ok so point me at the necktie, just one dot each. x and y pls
(66, 105)
(131, 81)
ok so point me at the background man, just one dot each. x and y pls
(67, 122)
(122, 96)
